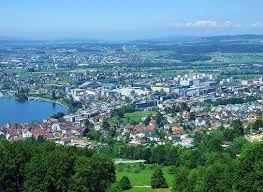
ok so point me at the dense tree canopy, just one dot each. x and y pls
(129, 108)
(221, 160)
(249, 166)
(42, 166)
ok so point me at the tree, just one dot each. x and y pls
(249, 167)
(117, 121)
(216, 177)
(147, 154)
(160, 120)
(13, 158)
(115, 187)
(88, 126)
(21, 96)
(73, 105)
(105, 125)
(215, 140)
(158, 154)
(147, 120)
(171, 155)
(93, 175)
(258, 124)
(125, 183)
(49, 172)
(249, 128)
(35, 166)
(191, 158)
(117, 113)
(158, 180)
(185, 107)
(36, 176)
(235, 148)
(237, 128)
(93, 135)
(58, 116)
(129, 108)
(54, 95)
(192, 116)
(180, 179)
(112, 132)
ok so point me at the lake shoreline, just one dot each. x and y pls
(48, 100)
(33, 109)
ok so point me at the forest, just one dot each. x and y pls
(222, 160)
(38, 166)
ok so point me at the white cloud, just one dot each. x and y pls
(198, 24)
(214, 24)
(229, 23)
(201, 24)
(257, 24)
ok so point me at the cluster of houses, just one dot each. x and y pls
(196, 90)
(64, 133)
(141, 134)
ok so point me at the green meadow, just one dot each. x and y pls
(140, 175)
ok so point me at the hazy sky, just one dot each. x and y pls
(129, 19)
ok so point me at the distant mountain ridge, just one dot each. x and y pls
(234, 37)
(169, 39)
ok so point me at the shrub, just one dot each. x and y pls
(125, 183)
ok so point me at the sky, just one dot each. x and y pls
(128, 19)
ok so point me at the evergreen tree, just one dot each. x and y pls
(180, 179)
(158, 180)
(125, 183)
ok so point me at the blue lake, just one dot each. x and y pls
(13, 111)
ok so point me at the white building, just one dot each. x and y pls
(27, 134)
(77, 94)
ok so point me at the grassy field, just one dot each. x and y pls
(42, 95)
(140, 175)
(136, 116)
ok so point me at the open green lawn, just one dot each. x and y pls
(141, 175)
(136, 116)
(42, 95)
